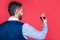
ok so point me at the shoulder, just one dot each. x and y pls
(27, 26)
(21, 23)
(4, 23)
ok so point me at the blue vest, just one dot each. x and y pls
(11, 30)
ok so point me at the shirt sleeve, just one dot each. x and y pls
(29, 31)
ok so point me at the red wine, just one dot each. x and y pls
(42, 17)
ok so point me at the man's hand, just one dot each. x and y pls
(43, 18)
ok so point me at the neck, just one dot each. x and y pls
(14, 17)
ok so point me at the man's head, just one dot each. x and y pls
(15, 9)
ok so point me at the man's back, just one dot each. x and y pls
(11, 30)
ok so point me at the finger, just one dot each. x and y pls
(43, 14)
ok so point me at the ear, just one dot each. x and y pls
(16, 11)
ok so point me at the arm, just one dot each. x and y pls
(29, 31)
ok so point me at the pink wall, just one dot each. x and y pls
(32, 11)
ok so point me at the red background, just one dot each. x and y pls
(32, 11)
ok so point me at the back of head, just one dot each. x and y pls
(13, 6)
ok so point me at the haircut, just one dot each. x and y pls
(13, 6)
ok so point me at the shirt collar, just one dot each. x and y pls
(13, 19)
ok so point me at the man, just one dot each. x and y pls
(15, 30)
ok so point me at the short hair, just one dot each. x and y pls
(13, 6)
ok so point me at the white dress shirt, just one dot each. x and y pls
(30, 31)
